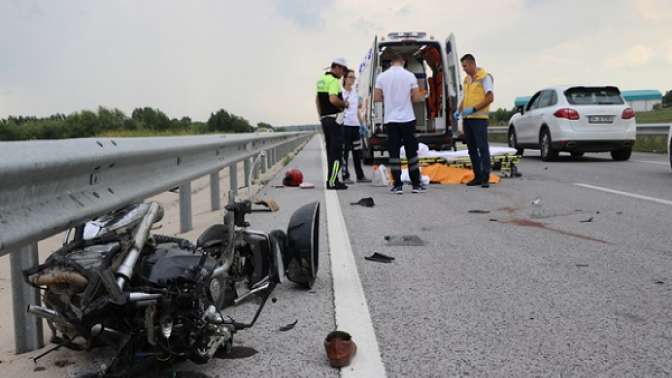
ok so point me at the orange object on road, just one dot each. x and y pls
(443, 174)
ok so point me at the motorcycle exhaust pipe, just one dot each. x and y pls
(126, 268)
(141, 297)
(44, 312)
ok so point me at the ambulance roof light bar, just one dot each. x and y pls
(407, 35)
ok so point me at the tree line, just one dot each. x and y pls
(88, 123)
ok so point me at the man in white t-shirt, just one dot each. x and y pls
(397, 88)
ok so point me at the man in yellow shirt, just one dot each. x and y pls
(475, 108)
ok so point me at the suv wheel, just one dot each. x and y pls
(513, 141)
(546, 146)
(622, 154)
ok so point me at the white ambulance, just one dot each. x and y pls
(436, 66)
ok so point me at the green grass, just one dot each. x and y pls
(656, 116)
(644, 143)
(651, 143)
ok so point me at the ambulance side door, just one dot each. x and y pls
(453, 82)
(365, 85)
(376, 109)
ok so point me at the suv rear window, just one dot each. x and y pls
(594, 96)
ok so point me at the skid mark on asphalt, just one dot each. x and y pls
(531, 223)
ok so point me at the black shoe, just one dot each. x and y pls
(363, 180)
(348, 181)
(397, 190)
(474, 182)
(338, 186)
(419, 189)
(485, 184)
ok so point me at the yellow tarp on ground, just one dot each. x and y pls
(443, 174)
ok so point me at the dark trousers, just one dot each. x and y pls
(476, 137)
(399, 134)
(334, 140)
(352, 142)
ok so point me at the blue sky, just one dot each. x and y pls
(261, 58)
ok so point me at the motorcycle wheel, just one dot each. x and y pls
(303, 237)
(280, 255)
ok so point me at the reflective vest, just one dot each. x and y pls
(474, 94)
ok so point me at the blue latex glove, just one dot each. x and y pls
(457, 114)
(363, 131)
(468, 111)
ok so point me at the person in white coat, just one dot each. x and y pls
(352, 140)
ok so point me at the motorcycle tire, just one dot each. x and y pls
(303, 237)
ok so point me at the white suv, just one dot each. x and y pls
(575, 119)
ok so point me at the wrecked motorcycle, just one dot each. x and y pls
(162, 298)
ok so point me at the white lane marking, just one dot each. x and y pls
(352, 311)
(652, 162)
(632, 195)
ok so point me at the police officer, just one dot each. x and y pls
(330, 105)
(475, 108)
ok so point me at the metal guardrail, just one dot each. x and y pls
(49, 186)
(642, 129)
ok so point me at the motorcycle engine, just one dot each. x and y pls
(190, 323)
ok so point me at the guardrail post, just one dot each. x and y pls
(264, 162)
(247, 166)
(28, 334)
(185, 207)
(233, 177)
(215, 202)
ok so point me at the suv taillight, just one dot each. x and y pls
(567, 113)
(628, 113)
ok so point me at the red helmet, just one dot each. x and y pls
(293, 177)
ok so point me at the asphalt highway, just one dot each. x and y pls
(565, 271)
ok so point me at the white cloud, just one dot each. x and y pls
(653, 10)
(260, 59)
(635, 56)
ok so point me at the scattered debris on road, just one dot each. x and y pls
(236, 352)
(479, 211)
(659, 282)
(589, 220)
(581, 265)
(288, 327)
(366, 202)
(379, 257)
(404, 241)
